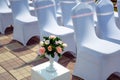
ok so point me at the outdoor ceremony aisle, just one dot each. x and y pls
(16, 60)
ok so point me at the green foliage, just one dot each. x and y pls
(51, 46)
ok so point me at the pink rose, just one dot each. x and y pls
(59, 49)
(42, 50)
(116, 5)
(49, 48)
(52, 37)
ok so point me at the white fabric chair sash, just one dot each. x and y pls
(103, 14)
(43, 7)
(86, 1)
(82, 15)
(14, 0)
(92, 1)
(69, 2)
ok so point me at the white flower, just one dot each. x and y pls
(64, 45)
(43, 39)
(56, 42)
(47, 42)
(41, 43)
(60, 42)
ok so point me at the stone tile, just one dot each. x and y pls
(70, 66)
(30, 57)
(34, 48)
(2, 78)
(2, 70)
(2, 37)
(6, 76)
(6, 56)
(13, 63)
(24, 79)
(34, 63)
(13, 46)
(5, 41)
(64, 61)
(2, 50)
(22, 51)
(27, 78)
(21, 73)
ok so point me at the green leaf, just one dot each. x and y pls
(52, 55)
(59, 55)
(42, 56)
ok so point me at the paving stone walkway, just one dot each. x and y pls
(17, 60)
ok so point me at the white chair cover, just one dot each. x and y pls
(58, 8)
(66, 7)
(118, 7)
(30, 2)
(91, 2)
(8, 3)
(30, 5)
(48, 25)
(58, 11)
(25, 25)
(6, 18)
(96, 58)
(118, 13)
(106, 21)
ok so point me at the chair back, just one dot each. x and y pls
(106, 21)
(66, 7)
(8, 2)
(82, 16)
(91, 2)
(118, 8)
(57, 5)
(20, 8)
(46, 14)
(3, 5)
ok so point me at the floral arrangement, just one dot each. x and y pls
(51, 45)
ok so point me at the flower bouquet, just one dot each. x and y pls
(51, 46)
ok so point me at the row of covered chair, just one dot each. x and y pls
(26, 26)
(97, 57)
(48, 24)
(107, 28)
(6, 16)
(66, 5)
